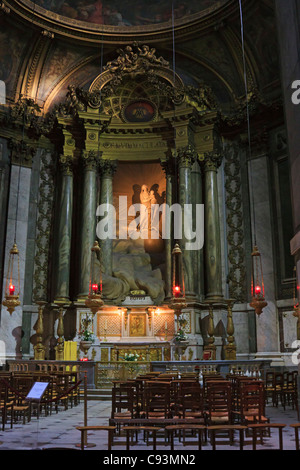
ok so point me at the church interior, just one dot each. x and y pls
(149, 199)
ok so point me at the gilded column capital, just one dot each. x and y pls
(66, 163)
(108, 167)
(90, 160)
(212, 161)
(186, 156)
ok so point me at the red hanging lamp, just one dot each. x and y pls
(12, 287)
(94, 301)
(257, 283)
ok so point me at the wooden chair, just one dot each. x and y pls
(59, 387)
(157, 399)
(21, 385)
(290, 390)
(123, 401)
(251, 405)
(219, 404)
(191, 401)
(6, 405)
(270, 387)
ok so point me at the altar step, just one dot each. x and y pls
(101, 394)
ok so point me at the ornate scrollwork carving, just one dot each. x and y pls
(135, 59)
(43, 228)
(235, 229)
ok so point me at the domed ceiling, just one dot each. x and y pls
(129, 13)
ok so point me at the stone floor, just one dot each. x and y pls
(59, 430)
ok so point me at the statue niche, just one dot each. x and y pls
(134, 266)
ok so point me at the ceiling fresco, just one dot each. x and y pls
(129, 12)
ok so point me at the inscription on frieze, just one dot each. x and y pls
(133, 145)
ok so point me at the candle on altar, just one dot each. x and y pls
(166, 325)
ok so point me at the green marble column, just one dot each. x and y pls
(186, 156)
(88, 219)
(107, 169)
(168, 168)
(198, 262)
(212, 240)
(64, 233)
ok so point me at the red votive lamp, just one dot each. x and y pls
(95, 288)
(11, 289)
(257, 290)
(176, 291)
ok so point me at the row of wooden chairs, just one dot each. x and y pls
(197, 434)
(282, 388)
(218, 401)
(62, 392)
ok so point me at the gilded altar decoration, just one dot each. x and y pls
(137, 325)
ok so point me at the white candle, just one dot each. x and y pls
(166, 325)
(105, 325)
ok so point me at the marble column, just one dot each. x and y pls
(64, 232)
(168, 168)
(197, 255)
(212, 238)
(88, 219)
(186, 157)
(107, 169)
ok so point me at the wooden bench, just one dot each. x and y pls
(198, 428)
(85, 429)
(231, 429)
(147, 429)
(269, 426)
